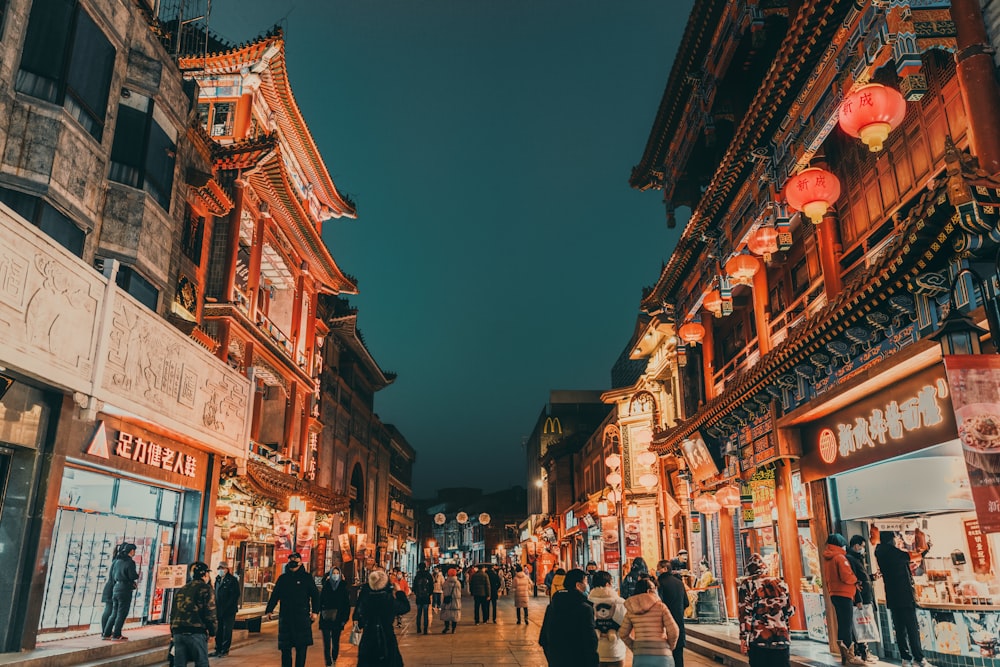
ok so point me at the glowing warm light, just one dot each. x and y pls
(646, 458)
(462, 517)
(352, 530)
(484, 519)
(871, 112)
(440, 518)
(614, 478)
(539, 483)
(633, 511)
(432, 543)
(707, 504)
(238, 533)
(812, 191)
(742, 268)
(602, 508)
(728, 497)
(296, 504)
(648, 480)
(692, 332)
(613, 461)
(764, 242)
(713, 303)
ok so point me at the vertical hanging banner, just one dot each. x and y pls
(974, 382)
(698, 458)
(609, 535)
(305, 534)
(284, 534)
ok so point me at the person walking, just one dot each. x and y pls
(125, 578)
(648, 629)
(451, 601)
(193, 618)
(296, 591)
(842, 585)
(479, 587)
(522, 590)
(866, 594)
(557, 583)
(423, 589)
(764, 610)
(894, 563)
(375, 614)
(495, 584)
(591, 571)
(639, 568)
(334, 610)
(438, 581)
(107, 597)
(227, 603)
(673, 594)
(568, 636)
(609, 612)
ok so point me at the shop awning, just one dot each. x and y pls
(278, 486)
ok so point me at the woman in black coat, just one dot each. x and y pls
(894, 564)
(334, 610)
(296, 591)
(375, 614)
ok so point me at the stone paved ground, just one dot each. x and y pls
(503, 643)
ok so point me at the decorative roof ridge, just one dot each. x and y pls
(349, 323)
(241, 146)
(264, 39)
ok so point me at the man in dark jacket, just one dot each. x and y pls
(672, 592)
(568, 636)
(296, 591)
(899, 598)
(423, 588)
(125, 577)
(227, 603)
(865, 594)
(494, 577)
(479, 586)
(193, 618)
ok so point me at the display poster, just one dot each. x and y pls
(633, 538)
(979, 547)
(974, 381)
(171, 576)
(545, 563)
(345, 547)
(609, 536)
(762, 490)
(698, 458)
(283, 536)
(305, 535)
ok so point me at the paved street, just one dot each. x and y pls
(503, 643)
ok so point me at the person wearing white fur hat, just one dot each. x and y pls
(375, 613)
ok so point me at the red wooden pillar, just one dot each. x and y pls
(761, 319)
(978, 82)
(727, 547)
(788, 540)
(829, 255)
(708, 356)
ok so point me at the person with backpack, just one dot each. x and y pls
(423, 589)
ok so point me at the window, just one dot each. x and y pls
(43, 215)
(138, 287)
(143, 151)
(194, 230)
(67, 60)
(222, 119)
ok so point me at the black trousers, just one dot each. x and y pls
(481, 602)
(493, 604)
(300, 656)
(109, 609)
(120, 605)
(224, 636)
(904, 624)
(331, 641)
(519, 614)
(769, 657)
(845, 619)
(679, 649)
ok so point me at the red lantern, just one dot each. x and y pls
(222, 510)
(323, 527)
(692, 332)
(764, 242)
(742, 268)
(812, 191)
(871, 112)
(238, 533)
(706, 504)
(728, 497)
(713, 303)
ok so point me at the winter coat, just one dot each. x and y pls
(438, 581)
(479, 584)
(632, 578)
(674, 595)
(296, 591)
(865, 594)
(227, 595)
(423, 587)
(654, 629)
(494, 578)
(838, 577)
(568, 636)
(451, 611)
(193, 611)
(764, 608)
(609, 613)
(108, 591)
(557, 584)
(124, 574)
(895, 566)
(330, 599)
(522, 590)
(378, 647)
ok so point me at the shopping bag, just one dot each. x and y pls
(865, 625)
(356, 635)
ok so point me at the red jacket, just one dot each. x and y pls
(838, 576)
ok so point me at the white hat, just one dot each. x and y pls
(377, 580)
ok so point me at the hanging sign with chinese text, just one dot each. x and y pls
(143, 452)
(975, 387)
(909, 415)
(609, 536)
(698, 458)
(979, 548)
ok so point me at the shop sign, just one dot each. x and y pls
(171, 576)
(762, 491)
(979, 547)
(975, 387)
(698, 458)
(912, 414)
(609, 536)
(144, 451)
(633, 538)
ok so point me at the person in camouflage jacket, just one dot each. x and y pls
(193, 618)
(764, 607)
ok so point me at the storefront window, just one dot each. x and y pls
(137, 500)
(86, 490)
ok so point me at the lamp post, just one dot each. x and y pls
(616, 496)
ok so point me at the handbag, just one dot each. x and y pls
(356, 635)
(865, 625)
(447, 599)
(328, 615)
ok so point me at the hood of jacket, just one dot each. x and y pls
(831, 551)
(756, 565)
(640, 604)
(605, 594)
(565, 599)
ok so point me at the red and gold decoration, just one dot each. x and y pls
(742, 268)
(763, 242)
(692, 333)
(813, 191)
(871, 112)
(239, 533)
(706, 504)
(728, 497)
(713, 303)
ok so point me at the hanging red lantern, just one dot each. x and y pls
(742, 268)
(692, 332)
(713, 303)
(238, 533)
(871, 112)
(728, 497)
(764, 242)
(706, 504)
(812, 191)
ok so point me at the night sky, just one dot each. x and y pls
(499, 250)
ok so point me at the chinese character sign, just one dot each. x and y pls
(975, 396)
(698, 458)
(979, 548)
(609, 536)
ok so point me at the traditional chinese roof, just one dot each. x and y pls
(278, 486)
(266, 56)
(344, 325)
(927, 232)
(807, 39)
